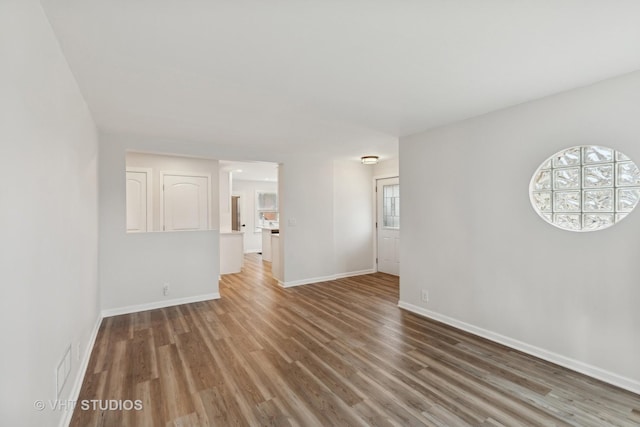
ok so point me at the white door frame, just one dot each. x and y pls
(375, 213)
(210, 225)
(149, 173)
(243, 201)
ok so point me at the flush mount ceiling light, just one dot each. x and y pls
(369, 160)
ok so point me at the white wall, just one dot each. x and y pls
(225, 201)
(48, 217)
(353, 217)
(387, 168)
(134, 267)
(488, 260)
(306, 219)
(305, 192)
(165, 163)
(247, 192)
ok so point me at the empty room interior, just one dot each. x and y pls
(201, 219)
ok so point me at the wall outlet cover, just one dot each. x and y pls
(424, 296)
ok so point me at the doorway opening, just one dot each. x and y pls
(249, 206)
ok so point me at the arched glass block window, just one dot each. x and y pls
(585, 188)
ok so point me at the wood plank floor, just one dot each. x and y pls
(335, 353)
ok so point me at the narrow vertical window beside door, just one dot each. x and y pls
(391, 194)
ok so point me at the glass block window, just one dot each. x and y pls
(391, 206)
(585, 188)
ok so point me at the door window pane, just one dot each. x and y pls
(391, 206)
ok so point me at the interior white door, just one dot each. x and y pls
(388, 225)
(185, 202)
(138, 201)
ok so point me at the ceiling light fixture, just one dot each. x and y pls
(369, 160)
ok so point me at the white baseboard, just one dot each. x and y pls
(158, 304)
(354, 273)
(84, 364)
(82, 371)
(324, 278)
(558, 359)
(310, 281)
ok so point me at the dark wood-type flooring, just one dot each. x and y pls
(334, 353)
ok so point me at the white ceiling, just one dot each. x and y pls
(344, 76)
(251, 171)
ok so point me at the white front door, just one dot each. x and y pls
(139, 206)
(388, 225)
(185, 202)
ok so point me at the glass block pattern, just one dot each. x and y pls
(627, 174)
(566, 201)
(585, 188)
(542, 181)
(567, 221)
(597, 200)
(596, 221)
(568, 178)
(391, 206)
(542, 201)
(597, 176)
(627, 199)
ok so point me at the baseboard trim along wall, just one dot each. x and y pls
(313, 280)
(574, 365)
(84, 364)
(159, 304)
(354, 273)
(77, 385)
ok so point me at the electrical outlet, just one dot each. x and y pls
(425, 295)
(77, 351)
(165, 289)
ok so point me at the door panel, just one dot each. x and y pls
(388, 225)
(185, 202)
(138, 208)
